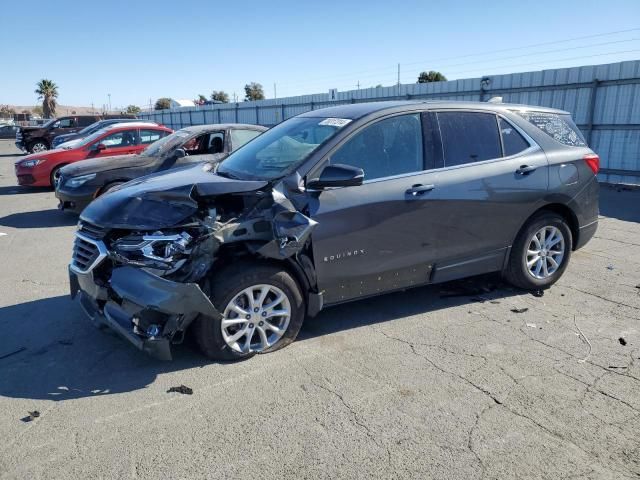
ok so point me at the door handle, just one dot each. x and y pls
(418, 189)
(525, 169)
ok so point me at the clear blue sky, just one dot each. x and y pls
(143, 49)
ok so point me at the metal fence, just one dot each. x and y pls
(603, 99)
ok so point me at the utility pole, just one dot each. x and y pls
(275, 92)
(358, 85)
(150, 108)
(109, 95)
(398, 75)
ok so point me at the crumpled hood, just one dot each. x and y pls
(102, 164)
(162, 199)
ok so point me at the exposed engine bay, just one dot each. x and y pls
(136, 262)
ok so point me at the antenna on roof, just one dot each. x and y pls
(495, 100)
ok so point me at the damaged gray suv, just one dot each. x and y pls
(331, 206)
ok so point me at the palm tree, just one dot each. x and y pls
(47, 91)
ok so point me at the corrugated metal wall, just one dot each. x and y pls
(604, 101)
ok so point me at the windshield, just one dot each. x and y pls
(279, 150)
(166, 144)
(44, 125)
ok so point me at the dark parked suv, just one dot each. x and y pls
(79, 183)
(331, 206)
(39, 139)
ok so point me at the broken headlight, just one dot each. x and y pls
(157, 250)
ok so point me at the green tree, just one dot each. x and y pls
(6, 111)
(253, 91)
(431, 76)
(163, 103)
(47, 91)
(132, 110)
(220, 96)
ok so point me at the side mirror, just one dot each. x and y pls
(179, 153)
(99, 147)
(337, 176)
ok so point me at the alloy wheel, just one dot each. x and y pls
(256, 318)
(545, 252)
(39, 147)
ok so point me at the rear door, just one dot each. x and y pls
(493, 177)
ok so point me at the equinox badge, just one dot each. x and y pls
(342, 255)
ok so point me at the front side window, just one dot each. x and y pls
(280, 150)
(469, 137)
(64, 123)
(512, 142)
(240, 137)
(125, 138)
(389, 147)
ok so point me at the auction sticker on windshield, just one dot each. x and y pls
(335, 122)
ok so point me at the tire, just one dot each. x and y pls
(228, 284)
(53, 175)
(518, 272)
(109, 187)
(38, 146)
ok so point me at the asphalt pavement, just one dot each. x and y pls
(442, 382)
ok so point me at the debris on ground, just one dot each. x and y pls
(181, 389)
(610, 267)
(519, 310)
(584, 337)
(495, 302)
(532, 325)
(622, 341)
(638, 286)
(31, 416)
(6, 355)
(538, 293)
(616, 366)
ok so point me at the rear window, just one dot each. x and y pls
(560, 127)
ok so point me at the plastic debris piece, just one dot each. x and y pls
(622, 341)
(610, 267)
(519, 310)
(31, 416)
(181, 389)
(538, 293)
(532, 325)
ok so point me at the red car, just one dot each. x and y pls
(40, 169)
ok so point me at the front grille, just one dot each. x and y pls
(87, 253)
(92, 231)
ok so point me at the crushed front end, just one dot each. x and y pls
(142, 259)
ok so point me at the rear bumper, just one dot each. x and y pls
(586, 233)
(146, 310)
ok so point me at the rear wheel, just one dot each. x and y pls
(38, 146)
(262, 310)
(541, 252)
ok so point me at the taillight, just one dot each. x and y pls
(593, 162)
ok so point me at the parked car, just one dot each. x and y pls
(331, 206)
(8, 131)
(94, 127)
(40, 169)
(78, 184)
(39, 138)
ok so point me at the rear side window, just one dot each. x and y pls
(240, 137)
(512, 141)
(560, 127)
(85, 121)
(150, 136)
(469, 137)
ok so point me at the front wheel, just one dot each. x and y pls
(541, 252)
(262, 310)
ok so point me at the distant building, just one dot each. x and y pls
(178, 103)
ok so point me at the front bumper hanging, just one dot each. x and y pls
(143, 308)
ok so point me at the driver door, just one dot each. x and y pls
(118, 143)
(368, 238)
